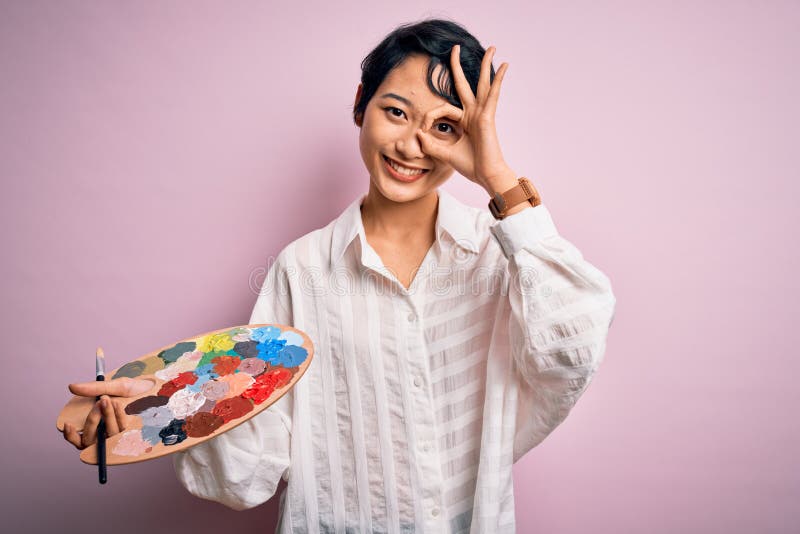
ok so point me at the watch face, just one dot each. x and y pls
(493, 208)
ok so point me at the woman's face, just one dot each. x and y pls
(389, 131)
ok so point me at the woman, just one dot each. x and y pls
(449, 340)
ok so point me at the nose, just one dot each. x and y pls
(408, 145)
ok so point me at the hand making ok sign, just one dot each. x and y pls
(476, 155)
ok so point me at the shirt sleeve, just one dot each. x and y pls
(561, 310)
(242, 467)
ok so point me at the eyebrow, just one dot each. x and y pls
(405, 101)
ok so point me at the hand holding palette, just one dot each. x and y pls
(202, 387)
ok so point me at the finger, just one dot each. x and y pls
(110, 418)
(119, 412)
(90, 426)
(121, 387)
(446, 110)
(432, 147)
(462, 85)
(494, 92)
(71, 435)
(484, 80)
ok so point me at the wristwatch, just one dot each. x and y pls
(523, 192)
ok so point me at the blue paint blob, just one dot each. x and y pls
(290, 356)
(269, 349)
(292, 338)
(157, 416)
(265, 333)
(150, 434)
(201, 379)
(206, 369)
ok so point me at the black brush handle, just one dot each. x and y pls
(102, 474)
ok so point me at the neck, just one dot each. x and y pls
(399, 221)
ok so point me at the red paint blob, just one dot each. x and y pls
(225, 365)
(267, 383)
(232, 408)
(185, 379)
(202, 424)
(179, 382)
(169, 388)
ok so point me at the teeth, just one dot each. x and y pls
(403, 170)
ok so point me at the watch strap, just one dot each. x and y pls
(524, 191)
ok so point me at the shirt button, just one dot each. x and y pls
(435, 512)
(426, 447)
(412, 317)
(417, 381)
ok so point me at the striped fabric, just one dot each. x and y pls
(418, 401)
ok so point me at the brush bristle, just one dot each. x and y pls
(100, 362)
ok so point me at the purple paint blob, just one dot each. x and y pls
(252, 366)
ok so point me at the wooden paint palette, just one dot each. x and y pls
(202, 387)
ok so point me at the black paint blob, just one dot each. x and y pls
(173, 433)
(246, 349)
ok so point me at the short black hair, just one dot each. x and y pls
(434, 38)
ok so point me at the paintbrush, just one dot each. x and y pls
(100, 368)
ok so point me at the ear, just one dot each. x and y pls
(360, 118)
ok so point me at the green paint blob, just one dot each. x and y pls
(173, 353)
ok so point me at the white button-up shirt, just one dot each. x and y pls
(418, 401)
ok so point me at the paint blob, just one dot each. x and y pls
(184, 403)
(173, 433)
(240, 334)
(151, 433)
(139, 405)
(131, 443)
(289, 356)
(232, 408)
(266, 384)
(265, 333)
(225, 365)
(269, 349)
(207, 406)
(215, 389)
(130, 370)
(187, 362)
(216, 343)
(252, 366)
(291, 338)
(202, 424)
(156, 416)
(152, 364)
(238, 383)
(246, 349)
(178, 383)
(172, 354)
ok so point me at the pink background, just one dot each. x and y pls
(154, 155)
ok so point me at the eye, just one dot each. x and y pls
(392, 109)
(445, 129)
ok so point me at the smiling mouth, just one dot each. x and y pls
(409, 172)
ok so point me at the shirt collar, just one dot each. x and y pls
(453, 218)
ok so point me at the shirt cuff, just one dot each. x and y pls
(524, 228)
